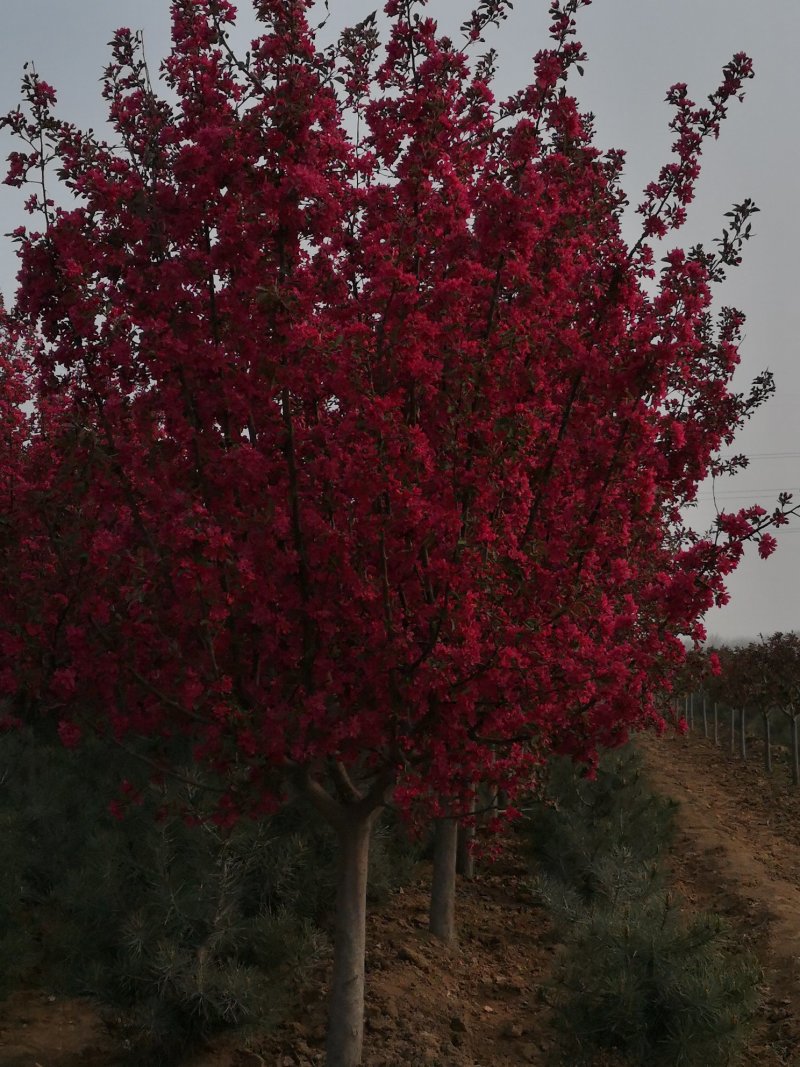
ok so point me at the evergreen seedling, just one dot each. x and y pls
(585, 833)
(636, 976)
(175, 928)
(657, 987)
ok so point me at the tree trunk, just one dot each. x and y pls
(465, 861)
(705, 717)
(743, 732)
(733, 732)
(443, 888)
(488, 803)
(767, 743)
(716, 724)
(346, 1003)
(795, 754)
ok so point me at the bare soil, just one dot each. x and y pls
(484, 1003)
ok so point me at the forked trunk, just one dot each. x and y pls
(346, 1002)
(352, 816)
(443, 888)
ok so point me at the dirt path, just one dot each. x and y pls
(737, 853)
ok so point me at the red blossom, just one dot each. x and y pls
(766, 545)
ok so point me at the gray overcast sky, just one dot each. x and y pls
(637, 48)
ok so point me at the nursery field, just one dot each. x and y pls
(488, 1001)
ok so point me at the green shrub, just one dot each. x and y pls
(156, 923)
(653, 985)
(583, 832)
(635, 975)
(393, 858)
(18, 949)
(176, 930)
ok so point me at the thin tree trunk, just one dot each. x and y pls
(465, 860)
(743, 732)
(443, 888)
(705, 717)
(733, 732)
(352, 817)
(491, 804)
(716, 724)
(767, 743)
(346, 1003)
(795, 754)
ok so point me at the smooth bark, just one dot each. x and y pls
(352, 816)
(346, 1004)
(743, 732)
(733, 732)
(490, 804)
(443, 887)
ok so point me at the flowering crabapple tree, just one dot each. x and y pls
(345, 440)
